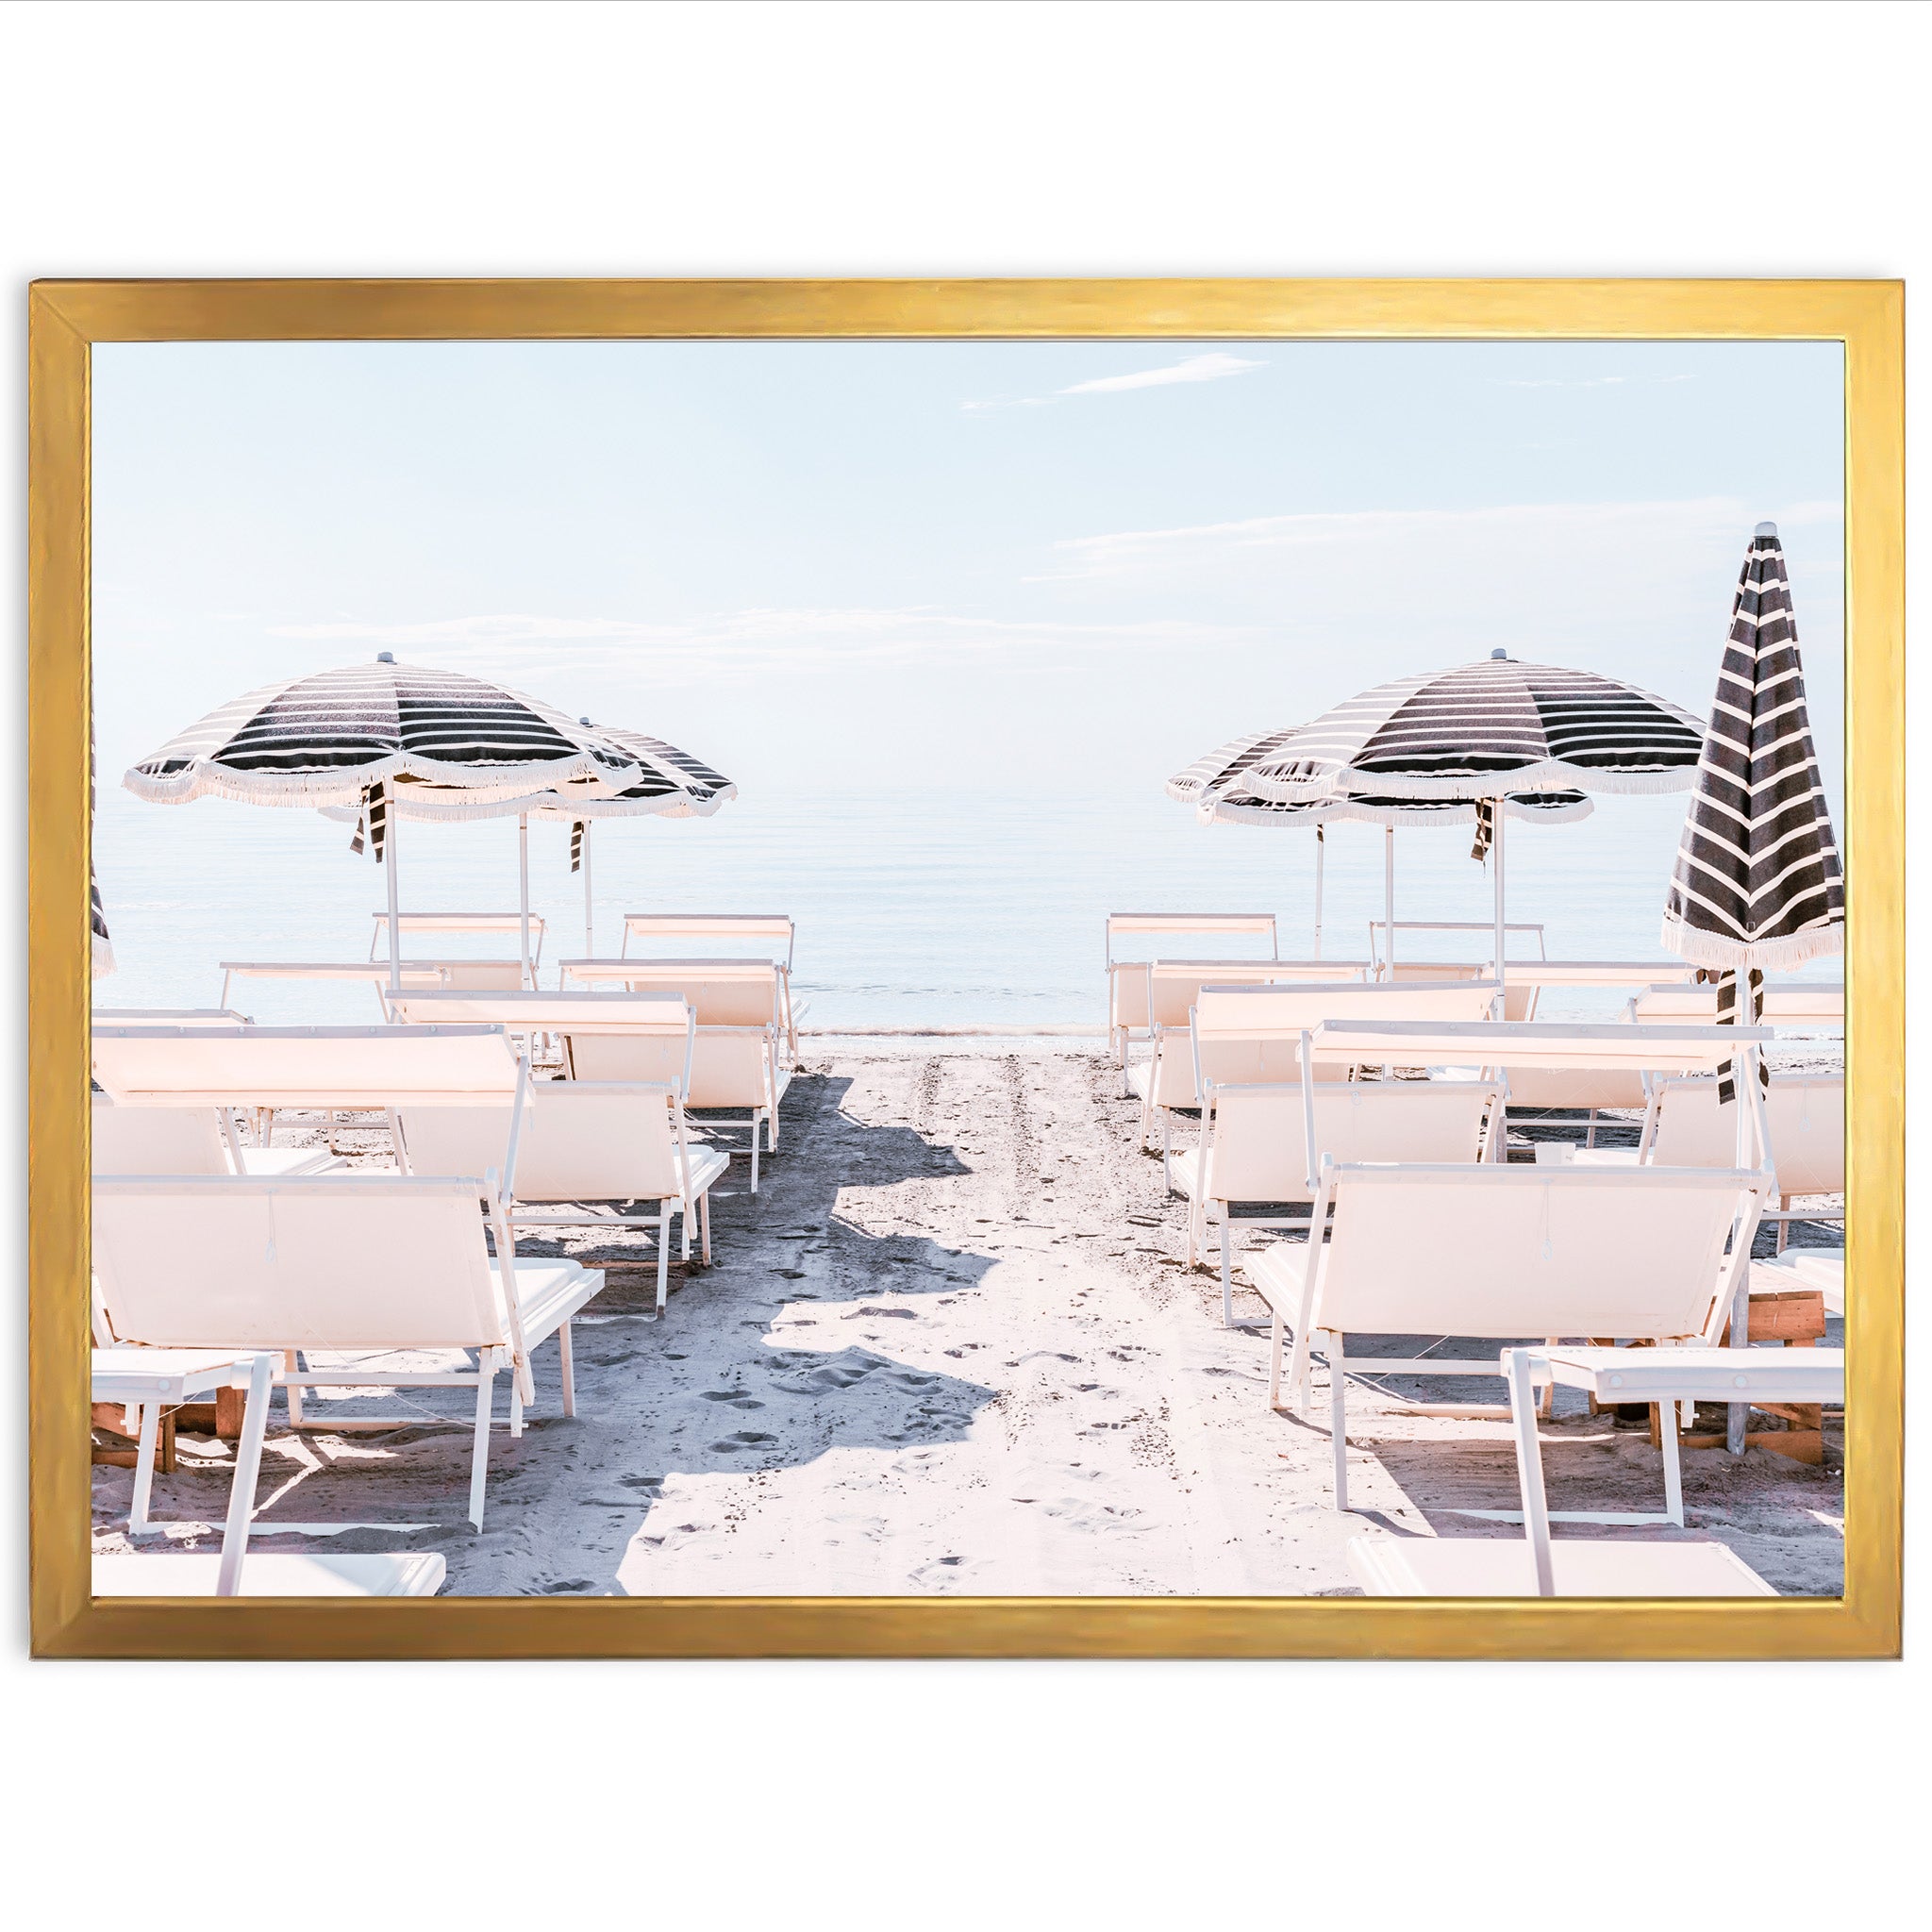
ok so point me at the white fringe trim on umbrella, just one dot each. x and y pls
(547, 806)
(345, 784)
(1704, 948)
(1316, 813)
(1550, 774)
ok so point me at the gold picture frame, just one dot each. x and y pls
(66, 318)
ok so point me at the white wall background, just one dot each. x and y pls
(1098, 138)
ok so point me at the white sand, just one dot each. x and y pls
(950, 1348)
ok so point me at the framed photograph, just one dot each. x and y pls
(996, 969)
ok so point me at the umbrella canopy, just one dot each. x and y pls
(103, 948)
(1759, 885)
(333, 737)
(1482, 730)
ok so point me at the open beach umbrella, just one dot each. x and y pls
(1757, 884)
(671, 784)
(1213, 784)
(1486, 731)
(363, 734)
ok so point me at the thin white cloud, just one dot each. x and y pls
(1209, 367)
(1213, 367)
(1577, 381)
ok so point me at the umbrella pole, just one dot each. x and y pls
(1321, 852)
(1502, 974)
(393, 823)
(523, 889)
(1389, 899)
(590, 938)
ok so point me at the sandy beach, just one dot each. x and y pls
(951, 1348)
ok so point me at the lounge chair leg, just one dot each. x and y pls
(570, 1382)
(1338, 1417)
(292, 1362)
(754, 1154)
(704, 1225)
(1275, 1340)
(1590, 1131)
(516, 1405)
(144, 1468)
(479, 1454)
(1784, 1228)
(1674, 1468)
(664, 1253)
(1226, 1277)
(1546, 1403)
(1167, 1150)
(684, 1231)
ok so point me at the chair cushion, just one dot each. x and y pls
(708, 1166)
(288, 1161)
(1139, 1075)
(1276, 1274)
(549, 1293)
(1185, 1169)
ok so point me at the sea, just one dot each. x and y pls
(981, 917)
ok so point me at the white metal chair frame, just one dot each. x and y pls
(461, 922)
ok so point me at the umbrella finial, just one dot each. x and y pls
(583, 720)
(1765, 530)
(385, 657)
(1499, 652)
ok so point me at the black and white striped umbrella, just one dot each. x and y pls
(1215, 785)
(100, 947)
(1482, 730)
(364, 734)
(333, 737)
(1758, 886)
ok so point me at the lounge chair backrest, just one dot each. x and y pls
(1173, 988)
(581, 1142)
(1807, 1124)
(729, 1067)
(523, 1013)
(1794, 1003)
(1518, 997)
(746, 926)
(337, 1261)
(1295, 1009)
(300, 1066)
(502, 925)
(1171, 925)
(721, 992)
(497, 975)
(1501, 1252)
(158, 1139)
(1128, 982)
(1259, 1150)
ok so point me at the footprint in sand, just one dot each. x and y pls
(736, 1397)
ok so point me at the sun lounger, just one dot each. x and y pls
(188, 1140)
(1821, 1269)
(506, 925)
(1502, 1252)
(169, 1016)
(416, 975)
(365, 1264)
(1256, 1148)
(1381, 946)
(1811, 1004)
(1128, 1018)
(768, 932)
(739, 1068)
(581, 1142)
(1249, 1035)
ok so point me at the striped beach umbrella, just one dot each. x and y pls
(102, 948)
(359, 735)
(671, 784)
(1485, 731)
(1758, 886)
(1214, 786)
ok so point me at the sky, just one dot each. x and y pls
(1037, 570)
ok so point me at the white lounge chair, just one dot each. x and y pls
(1821, 1269)
(1384, 949)
(504, 925)
(1126, 993)
(414, 974)
(367, 1265)
(581, 1142)
(770, 933)
(151, 1378)
(1808, 1004)
(1257, 1148)
(1250, 1035)
(740, 1070)
(1502, 1252)
(189, 1140)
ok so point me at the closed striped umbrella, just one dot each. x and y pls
(101, 948)
(1215, 786)
(1758, 886)
(362, 734)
